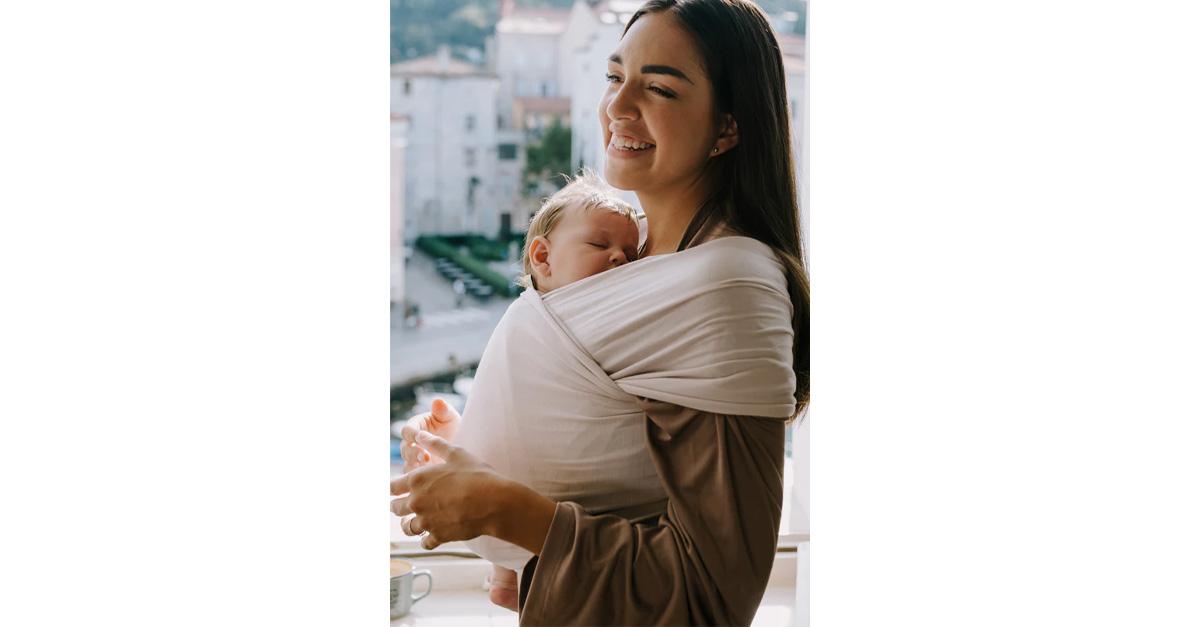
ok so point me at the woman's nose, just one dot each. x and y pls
(620, 105)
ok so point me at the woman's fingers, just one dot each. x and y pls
(430, 541)
(412, 526)
(443, 491)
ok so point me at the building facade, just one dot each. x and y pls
(795, 66)
(527, 57)
(451, 146)
(398, 241)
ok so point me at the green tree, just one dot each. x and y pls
(548, 158)
(419, 26)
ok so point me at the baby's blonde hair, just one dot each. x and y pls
(587, 190)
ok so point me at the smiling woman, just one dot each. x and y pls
(653, 102)
(681, 369)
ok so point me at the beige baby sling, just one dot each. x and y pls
(554, 405)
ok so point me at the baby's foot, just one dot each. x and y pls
(503, 587)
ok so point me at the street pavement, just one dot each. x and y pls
(448, 334)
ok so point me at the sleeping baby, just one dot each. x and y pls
(580, 231)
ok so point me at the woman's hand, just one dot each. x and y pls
(452, 501)
(465, 498)
(443, 420)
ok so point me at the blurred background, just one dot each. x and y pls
(491, 102)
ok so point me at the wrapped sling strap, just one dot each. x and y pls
(554, 404)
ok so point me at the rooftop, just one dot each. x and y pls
(618, 6)
(544, 105)
(439, 64)
(534, 21)
(613, 11)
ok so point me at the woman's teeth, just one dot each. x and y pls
(629, 144)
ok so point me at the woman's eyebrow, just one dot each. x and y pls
(656, 69)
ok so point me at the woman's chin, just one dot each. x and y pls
(619, 177)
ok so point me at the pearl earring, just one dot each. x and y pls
(716, 150)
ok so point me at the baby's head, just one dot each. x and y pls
(583, 229)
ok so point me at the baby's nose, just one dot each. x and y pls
(618, 258)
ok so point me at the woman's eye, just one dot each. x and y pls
(612, 78)
(662, 92)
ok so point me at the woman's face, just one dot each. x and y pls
(657, 113)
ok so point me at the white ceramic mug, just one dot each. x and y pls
(403, 575)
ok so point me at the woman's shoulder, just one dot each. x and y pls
(736, 242)
(731, 257)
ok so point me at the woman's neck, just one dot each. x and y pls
(668, 213)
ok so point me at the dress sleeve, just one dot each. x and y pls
(705, 561)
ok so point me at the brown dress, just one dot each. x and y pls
(702, 559)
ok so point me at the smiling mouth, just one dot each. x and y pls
(628, 144)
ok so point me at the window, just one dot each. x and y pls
(472, 185)
(470, 123)
(505, 226)
(469, 157)
(508, 152)
(407, 86)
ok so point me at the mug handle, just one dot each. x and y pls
(428, 589)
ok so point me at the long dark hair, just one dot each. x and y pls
(754, 185)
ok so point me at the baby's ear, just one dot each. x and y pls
(539, 255)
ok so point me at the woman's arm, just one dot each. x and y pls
(705, 561)
(524, 517)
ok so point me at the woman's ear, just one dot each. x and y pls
(539, 255)
(727, 138)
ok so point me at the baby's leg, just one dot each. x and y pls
(504, 587)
